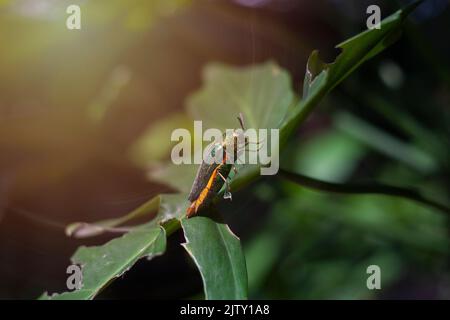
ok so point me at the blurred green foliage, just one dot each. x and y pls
(388, 123)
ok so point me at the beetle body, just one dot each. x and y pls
(213, 185)
(211, 176)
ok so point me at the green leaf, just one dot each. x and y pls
(262, 93)
(385, 143)
(313, 156)
(150, 148)
(320, 77)
(102, 264)
(218, 255)
(177, 177)
(160, 209)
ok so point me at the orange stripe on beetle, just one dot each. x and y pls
(197, 203)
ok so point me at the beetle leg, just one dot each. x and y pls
(227, 194)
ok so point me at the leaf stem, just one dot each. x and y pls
(375, 188)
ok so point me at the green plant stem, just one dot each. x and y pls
(171, 226)
(376, 188)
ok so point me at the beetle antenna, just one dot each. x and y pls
(241, 120)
